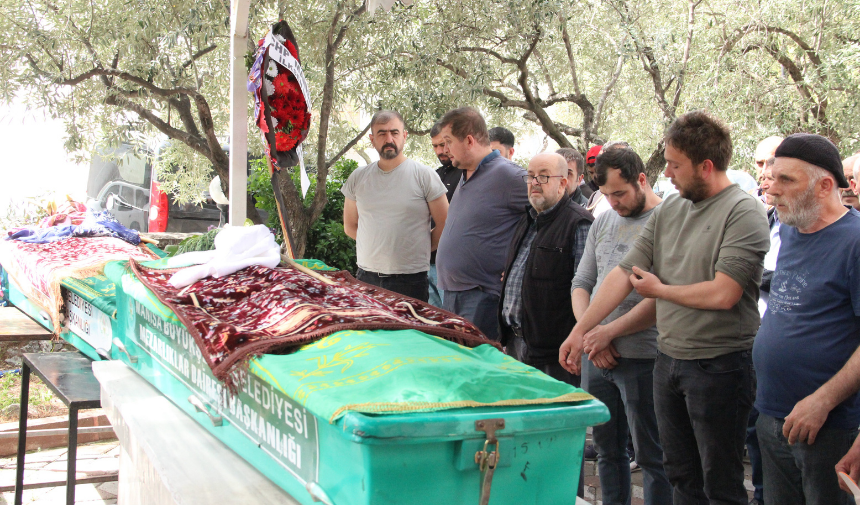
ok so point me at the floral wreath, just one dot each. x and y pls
(281, 109)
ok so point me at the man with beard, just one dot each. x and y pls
(764, 162)
(806, 351)
(535, 310)
(700, 255)
(849, 196)
(489, 201)
(575, 174)
(450, 178)
(387, 210)
(502, 140)
(619, 368)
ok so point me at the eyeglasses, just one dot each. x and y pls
(541, 179)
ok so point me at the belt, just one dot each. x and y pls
(383, 276)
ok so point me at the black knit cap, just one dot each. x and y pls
(816, 150)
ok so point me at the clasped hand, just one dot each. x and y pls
(646, 283)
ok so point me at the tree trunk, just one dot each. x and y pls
(656, 164)
(297, 216)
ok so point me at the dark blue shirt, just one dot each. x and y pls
(481, 220)
(812, 324)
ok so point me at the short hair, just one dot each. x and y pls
(570, 154)
(701, 137)
(615, 144)
(385, 116)
(466, 121)
(502, 136)
(436, 129)
(624, 159)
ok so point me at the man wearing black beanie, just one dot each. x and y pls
(806, 351)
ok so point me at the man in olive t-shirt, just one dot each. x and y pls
(700, 255)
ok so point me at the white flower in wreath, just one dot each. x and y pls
(272, 69)
(268, 87)
(280, 39)
(274, 122)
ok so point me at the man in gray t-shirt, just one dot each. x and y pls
(619, 369)
(700, 256)
(387, 211)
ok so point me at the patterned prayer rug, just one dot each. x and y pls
(260, 310)
(38, 269)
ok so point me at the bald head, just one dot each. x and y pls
(765, 151)
(551, 161)
(553, 168)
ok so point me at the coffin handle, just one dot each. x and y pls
(317, 493)
(201, 406)
(121, 348)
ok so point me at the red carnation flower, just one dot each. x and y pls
(281, 83)
(283, 142)
(292, 49)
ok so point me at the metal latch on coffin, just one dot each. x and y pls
(488, 458)
(201, 406)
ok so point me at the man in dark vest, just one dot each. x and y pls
(535, 313)
(535, 310)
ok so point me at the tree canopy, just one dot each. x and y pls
(580, 73)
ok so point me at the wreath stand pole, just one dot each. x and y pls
(238, 113)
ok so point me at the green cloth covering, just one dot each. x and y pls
(315, 265)
(386, 372)
(405, 371)
(99, 290)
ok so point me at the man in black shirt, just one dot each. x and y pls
(450, 178)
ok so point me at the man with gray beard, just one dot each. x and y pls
(806, 351)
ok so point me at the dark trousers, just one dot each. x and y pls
(702, 409)
(628, 392)
(802, 474)
(412, 285)
(479, 307)
(754, 452)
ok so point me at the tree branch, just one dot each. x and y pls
(754, 27)
(568, 130)
(348, 146)
(193, 142)
(570, 58)
(494, 54)
(199, 54)
(155, 90)
(598, 115)
(691, 20)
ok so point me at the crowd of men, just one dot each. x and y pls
(715, 319)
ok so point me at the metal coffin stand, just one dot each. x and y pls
(69, 376)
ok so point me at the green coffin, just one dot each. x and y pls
(289, 422)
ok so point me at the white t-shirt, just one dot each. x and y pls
(393, 216)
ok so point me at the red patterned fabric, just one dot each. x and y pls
(37, 269)
(258, 310)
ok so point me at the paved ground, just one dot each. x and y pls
(592, 482)
(96, 459)
(102, 458)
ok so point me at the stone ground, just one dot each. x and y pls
(96, 459)
(102, 458)
(592, 482)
